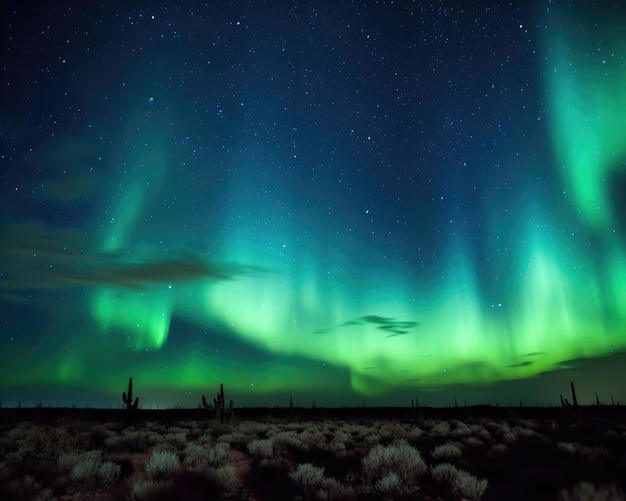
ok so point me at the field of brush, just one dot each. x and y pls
(165, 455)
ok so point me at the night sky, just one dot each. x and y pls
(347, 202)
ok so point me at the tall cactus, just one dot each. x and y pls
(564, 401)
(417, 411)
(573, 406)
(219, 406)
(128, 400)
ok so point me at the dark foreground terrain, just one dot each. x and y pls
(339, 454)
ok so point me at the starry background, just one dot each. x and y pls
(347, 202)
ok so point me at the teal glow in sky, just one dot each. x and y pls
(343, 204)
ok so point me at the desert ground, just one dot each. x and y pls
(305, 454)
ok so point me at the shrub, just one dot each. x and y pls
(232, 439)
(440, 429)
(447, 451)
(473, 442)
(372, 439)
(178, 439)
(414, 433)
(109, 473)
(131, 440)
(399, 458)
(522, 432)
(262, 448)
(215, 455)
(195, 455)
(162, 464)
(461, 430)
(225, 476)
(47, 443)
(149, 489)
(567, 447)
(287, 439)
(444, 473)
(462, 484)
(88, 468)
(308, 476)
(388, 485)
(332, 489)
(587, 491)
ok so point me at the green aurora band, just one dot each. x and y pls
(303, 306)
(314, 297)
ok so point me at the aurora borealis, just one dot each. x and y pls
(341, 201)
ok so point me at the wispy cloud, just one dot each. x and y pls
(34, 256)
(391, 325)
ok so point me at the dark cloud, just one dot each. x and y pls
(521, 364)
(38, 257)
(389, 324)
(395, 327)
(320, 331)
(374, 319)
(348, 323)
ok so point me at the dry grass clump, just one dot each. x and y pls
(88, 468)
(439, 429)
(177, 439)
(287, 439)
(586, 491)
(200, 457)
(483, 434)
(446, 452)
(591, 453)
(146, 489)
(414, 433)
(130, 440)
(383, 464)
(314, 485)
(391, 430)
(460, 430)
(474, 442)
(234, 439)
(47, 443)
(462, 484)
(253, 428)
(162, 464)
(312, 437)
(308, 476)
(261, 448)
(329, 459)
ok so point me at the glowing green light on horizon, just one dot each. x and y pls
(555, 315)
(338, 302)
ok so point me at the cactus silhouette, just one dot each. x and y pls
(128, 400)
(219, 406)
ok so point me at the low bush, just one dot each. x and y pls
(262, 448)
(447, 452)
(462, 484)
(398, 458)
(88, 468)
(162, 464)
